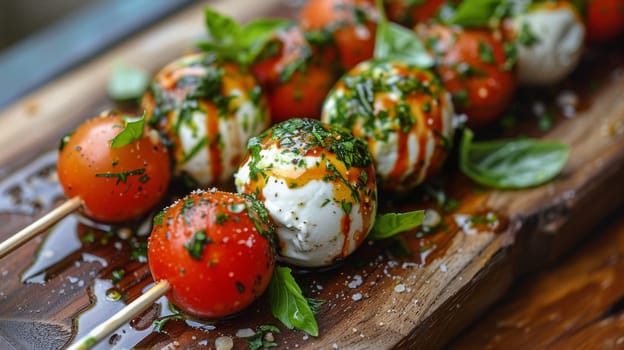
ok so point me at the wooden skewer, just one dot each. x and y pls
(39, 226)
(124, 315)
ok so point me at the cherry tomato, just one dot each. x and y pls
(349, 24)
(302, 95)
(604, 19)
(473, 66)
(116, 184)
(294, 81)
(411, 12)
(216, 251)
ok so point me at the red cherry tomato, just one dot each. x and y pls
(302, 95)
(351, 25)
(293, 80)
(116, 184)
(409, 12)
(215, 249)
(604, 20)
(473, 67)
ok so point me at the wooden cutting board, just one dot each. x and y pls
(60, 285)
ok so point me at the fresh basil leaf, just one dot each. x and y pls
(127, 83)
(133, 130)
(394, 42)
(390, 224)
(221, 28)
(476, 13)
(511, 164)
(255, 35)
(288, 303)
(242, 44)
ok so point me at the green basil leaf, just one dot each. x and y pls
(127, 83)
(242, 44)
(221, 28)
(394, 42)
(390, 224)
(133, 130)
(288, 303)
(511, 164)
(476, 13)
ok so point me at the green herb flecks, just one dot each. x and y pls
(259, 339)
(526, 37)
(485, 53)
(123, 176)
(511, 164)
(160, 323)
(118, 275)
(259, 215)
(195, 246)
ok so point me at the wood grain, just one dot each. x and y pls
(577, 304)
(376, 299)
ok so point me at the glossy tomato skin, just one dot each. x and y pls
(302, 95)
(410, 13)
(604, 20)
(294, 80)
(223, 271)
(350, 25)
(116, 184)
(473, 66)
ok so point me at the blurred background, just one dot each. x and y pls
(20, 18)
(39, 40)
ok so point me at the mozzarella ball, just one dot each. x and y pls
(318, 184)
(403, 113)
(549, 42)
(207, 110)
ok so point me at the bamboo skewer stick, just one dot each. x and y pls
(124, 315)
(39, 226)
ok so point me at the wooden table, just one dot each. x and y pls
(576, 304)
(374, 300)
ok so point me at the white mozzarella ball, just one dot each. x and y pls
(318, 186)
(550, 41)
(208, 110)
(403, 113)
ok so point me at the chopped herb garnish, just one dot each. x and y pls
(158, 218)
(160, 323)
(121, 177)
(485, 53)
(526, 37)
(221, 218)
(259, 339)
(89, 237)
(118, 275)
(240, 287)
(196, 245)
